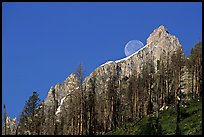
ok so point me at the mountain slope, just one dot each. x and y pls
(191, 122)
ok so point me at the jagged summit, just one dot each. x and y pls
(159, 38)
(161, 27)
(159, 43)
(157, 34)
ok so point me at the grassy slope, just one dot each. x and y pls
(191, 122)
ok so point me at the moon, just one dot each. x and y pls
(132, 46)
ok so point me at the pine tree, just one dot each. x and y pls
(91, 107)
(178, 62)
(80, 74)
(27, 121)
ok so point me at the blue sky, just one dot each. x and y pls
(43, 43)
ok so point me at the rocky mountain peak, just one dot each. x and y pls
(60, 90)
(158, 34)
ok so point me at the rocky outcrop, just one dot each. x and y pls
(10, 126)
(61, 90)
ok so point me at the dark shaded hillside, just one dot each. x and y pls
(191, 122)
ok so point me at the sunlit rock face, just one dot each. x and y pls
(159, 43)
(61, 90)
